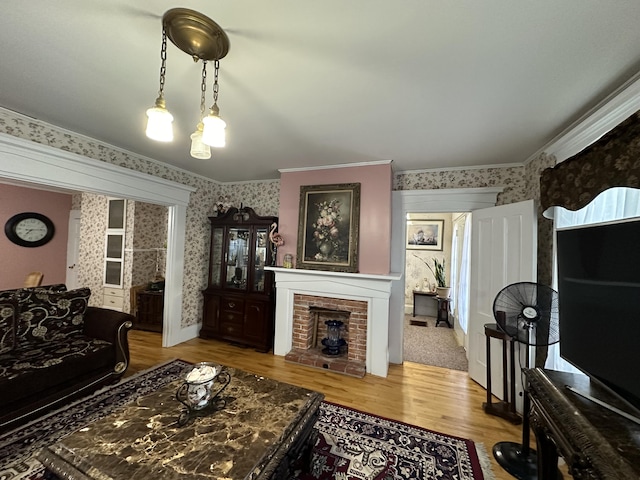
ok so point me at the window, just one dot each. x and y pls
(612, 204)
(114, 243)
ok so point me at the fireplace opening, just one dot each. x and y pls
(329, 333)
(334, 343)
(329, 329)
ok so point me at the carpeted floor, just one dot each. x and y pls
(349, 444)
(432, 345)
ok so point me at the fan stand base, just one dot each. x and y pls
(511, 457)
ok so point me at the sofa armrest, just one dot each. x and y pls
(112, 326)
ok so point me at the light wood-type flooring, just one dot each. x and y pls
(436, 398)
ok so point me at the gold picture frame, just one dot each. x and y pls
(328, 227)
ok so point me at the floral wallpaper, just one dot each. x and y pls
(263, 197)
(93, 225)
(149, 242)
(510, 178)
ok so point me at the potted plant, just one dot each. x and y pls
(441, 289)
(438, 272)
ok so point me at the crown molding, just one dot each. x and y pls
(328, 167)
(617, 107)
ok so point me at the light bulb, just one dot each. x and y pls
(198, 148)
(159, 122)
(214, 130)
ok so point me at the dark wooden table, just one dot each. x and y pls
(442, 309)
(264, 428)
(150, 311)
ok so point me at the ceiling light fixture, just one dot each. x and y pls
(203, 39)
(214, 126)
(199, 149)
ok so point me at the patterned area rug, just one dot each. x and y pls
(353, 445)
(349, 445)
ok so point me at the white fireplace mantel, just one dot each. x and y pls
(373, 289)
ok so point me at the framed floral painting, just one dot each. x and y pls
(425, 234)
(328, 227)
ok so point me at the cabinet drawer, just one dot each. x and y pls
(113, 292)
(231, 329)
(113, 301)
(232, 305)
(231, 318)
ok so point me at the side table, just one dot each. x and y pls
(505, 408)
(150, 311)
(443, 311)
(420, 293)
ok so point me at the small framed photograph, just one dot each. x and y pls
(425, 234)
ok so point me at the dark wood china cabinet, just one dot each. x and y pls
(239, 299)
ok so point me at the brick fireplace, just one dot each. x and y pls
(309, 329)
(364, 297)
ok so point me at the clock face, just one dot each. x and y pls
(29, 229)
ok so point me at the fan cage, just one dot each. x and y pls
(529, 313)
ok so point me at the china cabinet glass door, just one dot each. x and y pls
(215, 269)
(237, 258)
(260, 257)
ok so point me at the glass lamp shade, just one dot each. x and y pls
(159, 124)
(214, 131)
(198, 148)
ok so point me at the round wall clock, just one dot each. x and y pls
(29, 229)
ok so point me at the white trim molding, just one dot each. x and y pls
(616, 108)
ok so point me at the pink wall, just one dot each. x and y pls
(375, 211)
(50, 259)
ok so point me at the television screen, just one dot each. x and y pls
(599, 303)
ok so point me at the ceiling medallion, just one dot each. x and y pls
(195, 34)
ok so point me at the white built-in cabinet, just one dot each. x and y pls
(113, 293)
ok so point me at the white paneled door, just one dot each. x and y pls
(73, 248)
(503, 251)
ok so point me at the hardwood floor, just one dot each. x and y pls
(431, 397)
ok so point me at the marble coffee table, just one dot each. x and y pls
(264, 427)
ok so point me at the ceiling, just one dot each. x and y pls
(424, 83)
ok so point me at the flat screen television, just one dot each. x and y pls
(599, 303)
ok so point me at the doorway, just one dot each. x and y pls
(31, 163)
(422, 201)
(432, 336)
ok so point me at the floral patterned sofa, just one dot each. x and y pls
(54, 347)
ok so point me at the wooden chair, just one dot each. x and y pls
(34, 279)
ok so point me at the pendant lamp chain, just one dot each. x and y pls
(159, 121)
(216, 65)
(203, 88)
(163, 65)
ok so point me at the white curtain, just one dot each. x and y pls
(455, 267)
(612, 204)
(463, 281)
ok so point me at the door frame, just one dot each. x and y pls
(448, 200)
(29, 163)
